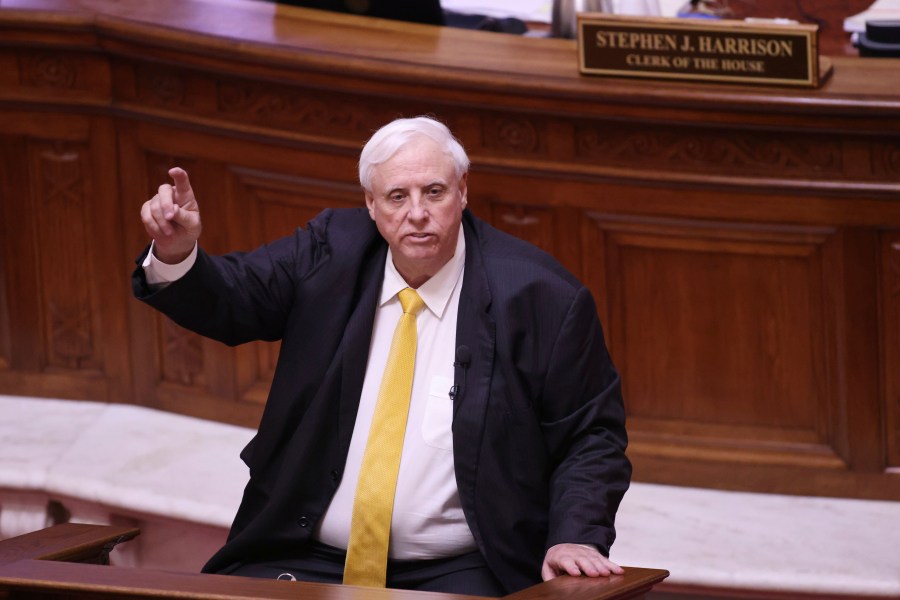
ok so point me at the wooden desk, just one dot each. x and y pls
(70, 542)
(742, 243)
(34, 575)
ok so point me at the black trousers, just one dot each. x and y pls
(467, 574)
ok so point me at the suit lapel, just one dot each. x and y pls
(355, 347)
(475, 329)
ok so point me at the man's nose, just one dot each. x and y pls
(418, 210)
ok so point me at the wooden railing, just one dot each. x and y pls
(29, 569)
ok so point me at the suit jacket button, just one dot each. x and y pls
(303, 522)
(334, 476)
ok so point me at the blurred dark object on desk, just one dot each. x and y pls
(881, 38)
(428, 12)
(414, 11)
(705, 9)
(484, 22)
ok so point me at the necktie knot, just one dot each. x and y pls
(410, 301)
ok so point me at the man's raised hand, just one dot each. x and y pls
(172, 218)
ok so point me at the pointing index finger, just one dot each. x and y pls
(180, 178)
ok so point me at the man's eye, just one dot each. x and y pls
(396, 197)
(433, 192)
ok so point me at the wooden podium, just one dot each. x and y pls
(68, 561)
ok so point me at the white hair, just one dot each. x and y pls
(388, 140)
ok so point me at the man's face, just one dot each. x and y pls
(417, 202)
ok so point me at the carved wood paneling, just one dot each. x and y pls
(70, 331)
(534, 224)
(890, 301)
(886, 159)
(242, 208)
(348, 118)
(20, 259)
(304, 110)
(159, 86)
(678, 149)
(718, 328)
(272, 205)
(5, 340)
(514, 135)
(300, 109)
(180, 353)
(172, 367)
(7, 189)
(56, 71)
(58, 327)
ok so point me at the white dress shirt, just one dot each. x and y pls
(428, 520)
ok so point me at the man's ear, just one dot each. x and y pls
(370, 204)
(464, 189)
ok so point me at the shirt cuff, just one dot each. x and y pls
(158, 272)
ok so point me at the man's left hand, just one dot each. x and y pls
(576, 560)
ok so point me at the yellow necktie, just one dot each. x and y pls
(370, 528)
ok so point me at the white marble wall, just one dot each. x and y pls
(180, 480)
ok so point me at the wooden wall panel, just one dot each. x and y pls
(20, 260)
(7, 285)
(273, 205)
(247, 198)
(857, 345)
(59, 332)
(5, 341)
(890, 306)
(534, 224)
(741, 242)
(720, 331)
(67, 307)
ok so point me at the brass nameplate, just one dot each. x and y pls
(699, 49)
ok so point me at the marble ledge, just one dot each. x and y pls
(137, 460)
(124, 457)
(771, 542)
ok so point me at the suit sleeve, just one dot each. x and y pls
(238, 297)
(583, 419)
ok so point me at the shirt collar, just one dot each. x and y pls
(436, 291)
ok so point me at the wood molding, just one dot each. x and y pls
(68, 542)
(28, 567)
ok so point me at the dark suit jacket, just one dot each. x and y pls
(538, 425)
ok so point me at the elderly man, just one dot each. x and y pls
(444, 414)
